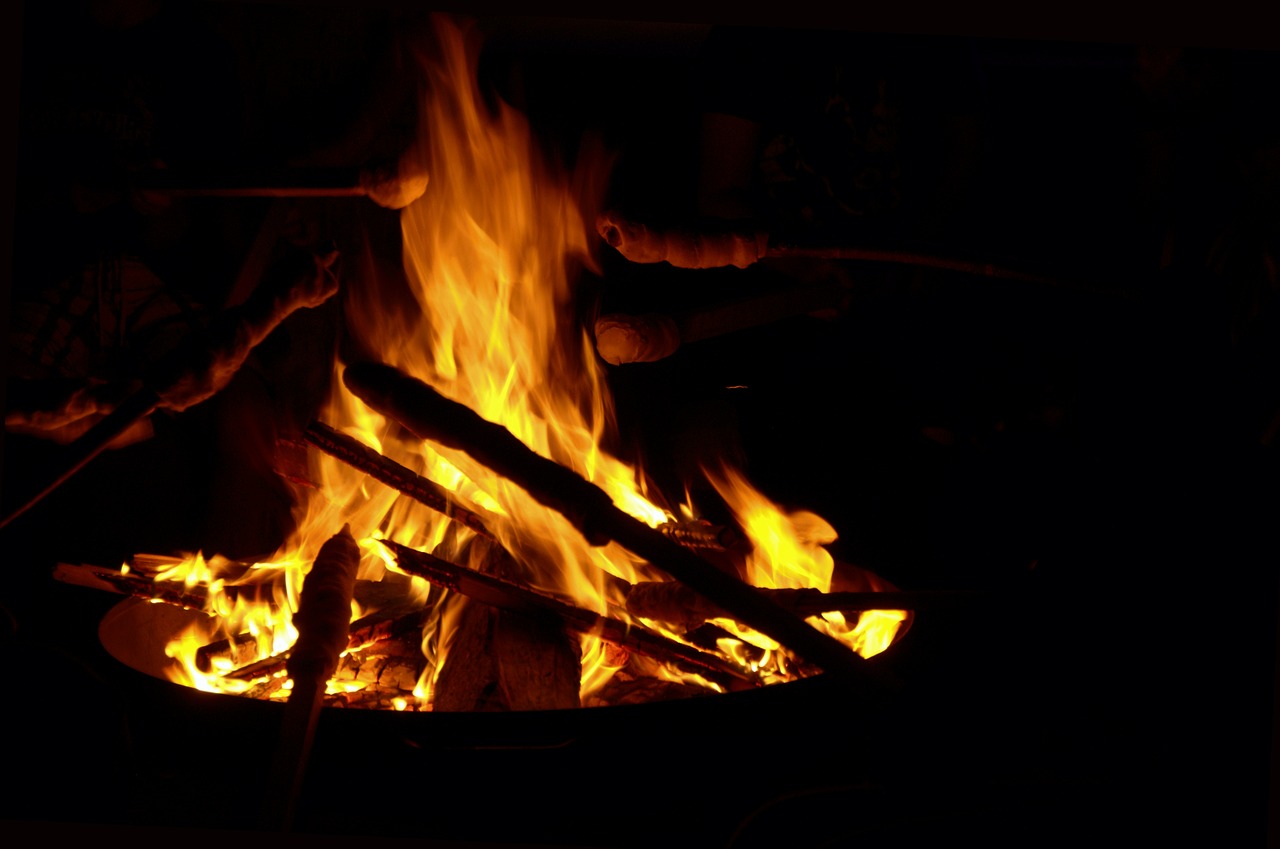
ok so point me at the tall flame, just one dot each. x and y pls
(490, 253)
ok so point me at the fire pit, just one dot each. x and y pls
(547, 581)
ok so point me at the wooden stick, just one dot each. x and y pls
(705, 535)
(147, 587)
(364, 459)
(393, 191)
(432, 416)
(508, 596)
(237, 651)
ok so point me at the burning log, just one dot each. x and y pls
(704, 535)
(147, 587)
(431, 416)
(228, 653)
(364, 632)
(364, 459)
(692, 534)
(508, 596)
(538, 667)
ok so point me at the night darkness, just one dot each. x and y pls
(1097, 457)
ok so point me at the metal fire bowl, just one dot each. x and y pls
(565, 775)
(135, 632)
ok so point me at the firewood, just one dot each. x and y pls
(228, 653)
(392, 623)
(468, 680)
(363, 458)
(508, 596)
(539, 668)
(147, 587)
(366, 631)
(704, 535)
(430, 415)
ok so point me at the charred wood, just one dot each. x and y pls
(364, 459)
(363, 633)
(506, 595)
(228, 653)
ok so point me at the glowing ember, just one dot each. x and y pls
(491, 251)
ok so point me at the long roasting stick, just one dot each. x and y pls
(508, 596)
(720, 248)
(392, 190)
(431, 416)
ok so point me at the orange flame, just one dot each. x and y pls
(491, 251)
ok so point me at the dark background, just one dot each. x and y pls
(1103, 460)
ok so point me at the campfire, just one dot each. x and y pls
(481, 547)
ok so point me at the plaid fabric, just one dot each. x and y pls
(103, 324)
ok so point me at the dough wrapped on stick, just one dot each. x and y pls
(324, 609)
(718, 248)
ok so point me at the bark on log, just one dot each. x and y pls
(228, 653)
(468, 680)
(539, 668)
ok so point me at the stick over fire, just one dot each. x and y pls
(431, 416)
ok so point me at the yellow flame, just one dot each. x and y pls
(788, 553)
(490, 255)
